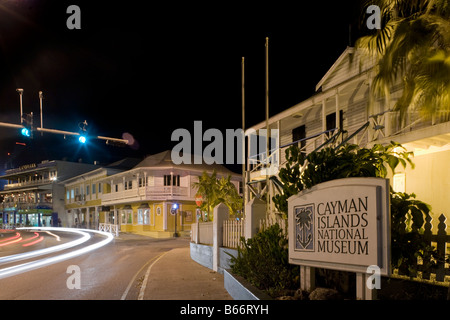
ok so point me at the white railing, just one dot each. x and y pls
(149, 193)
(111, 228)
(28, 183)
(233, 230)
(166, 191)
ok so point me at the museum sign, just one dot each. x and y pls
(341, 224)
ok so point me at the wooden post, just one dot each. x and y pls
(363, 292)
(441, 250)
(307, 278)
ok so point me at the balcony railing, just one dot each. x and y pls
(147, 193)
(26, 205)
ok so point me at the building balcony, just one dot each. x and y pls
(149, 193)
(26, 184)
(24, 206)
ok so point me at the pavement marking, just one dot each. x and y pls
(125, 293)
(144, 283)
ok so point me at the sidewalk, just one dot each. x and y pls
(175, 276)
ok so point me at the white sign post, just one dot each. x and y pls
(342, 225)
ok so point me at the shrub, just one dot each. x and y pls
(264, 261)
(303, 172)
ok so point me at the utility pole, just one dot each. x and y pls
(20, 91)
(29, 125)
(41, 96)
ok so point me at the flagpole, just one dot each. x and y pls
(244, 185)
(267, 126)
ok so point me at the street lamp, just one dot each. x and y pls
(174, 210)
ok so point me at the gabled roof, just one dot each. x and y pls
(347, 51)
(124, 164)
(164, 160)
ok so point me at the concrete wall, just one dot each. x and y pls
(240, 289)
(203, 254)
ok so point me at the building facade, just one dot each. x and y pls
(83, 194)
(34, 195)
(343, 102)
(155, 197)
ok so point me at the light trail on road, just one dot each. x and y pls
(6, 272)
(11, 240)
(21, 256)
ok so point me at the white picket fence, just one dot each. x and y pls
(269, 221)
(233, 230)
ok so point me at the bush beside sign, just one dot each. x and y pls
(342, 225)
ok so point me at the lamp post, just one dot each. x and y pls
(174, 212)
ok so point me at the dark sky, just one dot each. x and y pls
(148, 68)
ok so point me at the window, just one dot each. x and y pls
(298, 134)
(93, 189)
(87, 190)
(99, 188)
(143, 216)
(116, 187)
(143, 182)
(126, 216)
(176, 180)
(128, 185)
(68, 195)
(172, 180)
(331, 120)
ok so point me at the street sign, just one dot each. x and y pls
(198, 200)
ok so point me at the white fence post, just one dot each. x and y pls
(220, 214)
(255, 210)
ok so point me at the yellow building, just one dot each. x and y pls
(83, 202)
(142, 199)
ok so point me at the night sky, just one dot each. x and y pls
(148, 69)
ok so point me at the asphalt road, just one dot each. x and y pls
(112, 272)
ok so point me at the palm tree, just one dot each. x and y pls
(215, 191)
(413, 44)
(207, 187)
(229, 195)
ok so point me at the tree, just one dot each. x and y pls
(303, 172)
(414, 44)
(215, 191)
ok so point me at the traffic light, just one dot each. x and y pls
(25, 132)
(27, 121)
(82, 139)
(83, 132)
